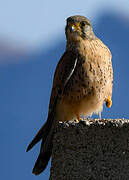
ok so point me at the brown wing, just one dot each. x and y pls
(63, 73)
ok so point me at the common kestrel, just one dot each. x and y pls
(82, 83)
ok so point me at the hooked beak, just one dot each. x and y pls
(75, 28)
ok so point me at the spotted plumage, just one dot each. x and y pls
(82, 83)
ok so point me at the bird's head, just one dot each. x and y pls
(78, 28)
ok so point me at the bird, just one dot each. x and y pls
(82, 84)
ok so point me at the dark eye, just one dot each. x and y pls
(83, 24)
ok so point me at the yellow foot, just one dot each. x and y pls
(109, 102)
(78, 119)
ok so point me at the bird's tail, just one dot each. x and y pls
(46, 134)
(44, 155)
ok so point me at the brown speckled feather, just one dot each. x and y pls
(63, 73)
(90, 84)
(82, 83)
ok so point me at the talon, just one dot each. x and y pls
(109, 102)
(77, 121)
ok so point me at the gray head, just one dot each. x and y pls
(78, 27)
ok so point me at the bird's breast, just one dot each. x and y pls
(90, 83)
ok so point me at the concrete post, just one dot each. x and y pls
(91, 150)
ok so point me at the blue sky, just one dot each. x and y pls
(31, 22)
(26, 79)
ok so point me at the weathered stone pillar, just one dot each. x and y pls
(91, 150)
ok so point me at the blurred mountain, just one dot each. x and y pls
(12, 52)
(25, 90)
